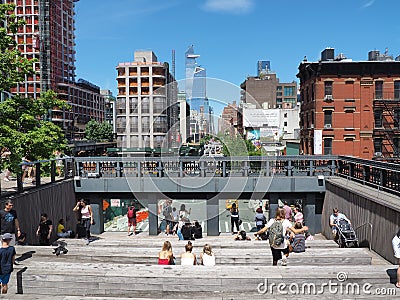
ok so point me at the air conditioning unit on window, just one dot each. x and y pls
(378, 154)
(328, 126)
(328, 98)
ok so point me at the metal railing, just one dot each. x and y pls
(370, 232)
(264, 166)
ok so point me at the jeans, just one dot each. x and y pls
(86, 224)
(235, 221)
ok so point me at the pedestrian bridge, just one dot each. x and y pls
(213, 179)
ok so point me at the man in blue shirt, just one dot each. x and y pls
(7, 258)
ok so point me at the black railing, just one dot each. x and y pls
(377, 174)
(38, 173)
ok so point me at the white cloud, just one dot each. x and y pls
(368, 3)
(230, 6)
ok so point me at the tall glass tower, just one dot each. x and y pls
(196, 97)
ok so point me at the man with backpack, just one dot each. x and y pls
(131, 214)
(278, 227)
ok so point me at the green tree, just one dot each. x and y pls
(96, 131)
(13, 66)
(23, 128)
(238, 146)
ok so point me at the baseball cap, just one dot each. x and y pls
(7, 236)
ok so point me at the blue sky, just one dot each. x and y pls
(230, 35)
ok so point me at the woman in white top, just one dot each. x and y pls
(207, 256)
(188, 258)
(277, 250)
(86, 216)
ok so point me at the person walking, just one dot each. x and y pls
(44, 230)
(9, 221)
(7, 259)
(234, 218)
(131, 215)
(396, 250)
(277, 236)
(87, 216)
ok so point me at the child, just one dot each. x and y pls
(7, 258)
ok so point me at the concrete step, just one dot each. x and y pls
(130, 255)
(117, 267)
(166, 281)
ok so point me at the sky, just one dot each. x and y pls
(230, 35)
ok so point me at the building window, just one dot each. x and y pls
(134, 124)
(145, 105)
(133, 105)
(327, 119)
(396, 118)
(378, 147)
(397, 90)
(327, 146)
(289, 91)
(121, 106)
(378, 118)
(285, 115)
(396, 145)
(378, 89)
(328, 88)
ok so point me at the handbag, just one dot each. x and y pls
(240, 222)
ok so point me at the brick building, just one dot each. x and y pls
(350, 107)
(48, 36)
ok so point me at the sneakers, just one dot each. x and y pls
(284, 261)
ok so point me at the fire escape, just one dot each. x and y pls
(386, 135)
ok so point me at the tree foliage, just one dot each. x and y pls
(24, 131)
(238, 146)
(96, 131)
(13, 66)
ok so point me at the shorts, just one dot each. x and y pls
(131, 221)
(396, 246)
(4, 279)
(277, 253)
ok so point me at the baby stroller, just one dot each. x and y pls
(345, 235)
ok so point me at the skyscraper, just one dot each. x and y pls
(48, 36)
(196, 96)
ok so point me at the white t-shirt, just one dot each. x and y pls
(285, 224)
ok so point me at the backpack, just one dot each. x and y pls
(276, 234)
(131, 212)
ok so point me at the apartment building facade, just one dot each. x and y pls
(265, 91)
(48, 36)
(145, 104)
(350, 107)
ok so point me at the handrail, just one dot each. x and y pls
(371, 226)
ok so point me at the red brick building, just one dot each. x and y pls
(48, 36)
(350, 108)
